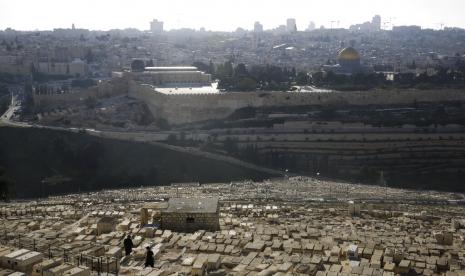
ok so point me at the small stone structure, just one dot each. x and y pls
(191, 214)
(353, 209)
(106, 225)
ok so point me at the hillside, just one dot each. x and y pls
(42, 162)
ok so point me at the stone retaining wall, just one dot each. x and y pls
(179, 109)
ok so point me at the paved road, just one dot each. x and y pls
(6, 117)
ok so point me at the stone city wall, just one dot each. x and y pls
(79, 95)
(179, 109)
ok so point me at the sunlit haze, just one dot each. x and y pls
(222, 15)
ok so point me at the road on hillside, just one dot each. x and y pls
(6, 120)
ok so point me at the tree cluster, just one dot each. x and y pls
(274, 78)
(258, 77)
(83, 83)
(442, 78)
(348, 82)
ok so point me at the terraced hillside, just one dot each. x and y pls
(420, 146)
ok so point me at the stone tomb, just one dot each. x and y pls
(191, 214)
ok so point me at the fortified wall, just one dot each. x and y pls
(179, 109)
(78, 95)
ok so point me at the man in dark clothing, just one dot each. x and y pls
(149, 259)
(128, 245)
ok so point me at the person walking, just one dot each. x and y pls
(128, 245)
(149, 259)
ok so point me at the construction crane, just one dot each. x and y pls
(332, 22)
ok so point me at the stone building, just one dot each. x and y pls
(150, 212)
(177, 76)
(75, 68)
(191, 214)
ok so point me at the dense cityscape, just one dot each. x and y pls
(287, 150)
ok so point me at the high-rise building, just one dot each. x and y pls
(257, 27)
(311, 26)
(376, 22)
(291, 25)
(373, 26)
(156, 27)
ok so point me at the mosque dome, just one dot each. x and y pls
(349, 54)
(349, 63)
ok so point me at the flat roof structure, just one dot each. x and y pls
(188, 90)
(173, 68)
(192, 205)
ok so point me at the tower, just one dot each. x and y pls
(291, 25)
(311, 26)
(257, 27)
(376, 23)
(156, 26)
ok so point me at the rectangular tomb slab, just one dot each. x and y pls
(77, 271)
(213, 261)
(189, 261)
(25, 262)
(249, 258)
(200, 262)
(38, 268)
(7, 260)
(285, 267)
(58, 270)
(17, 273)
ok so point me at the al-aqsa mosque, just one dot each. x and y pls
(349, 63)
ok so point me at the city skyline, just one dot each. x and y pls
(225, 15)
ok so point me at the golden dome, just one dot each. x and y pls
(349, 53)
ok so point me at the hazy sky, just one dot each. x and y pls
(224, 15)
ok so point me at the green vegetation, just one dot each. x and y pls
(349, 83)
(43, 78)
(442, 78)
(8, 78)
(258, 77)
(138, 65)
(208, 68)
(83, 83)
(266, 78)
(273, 78)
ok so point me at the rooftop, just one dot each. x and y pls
(192, 205)
(173, 68)
(175, 89)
